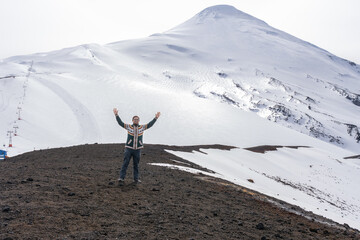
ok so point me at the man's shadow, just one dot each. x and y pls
(125, 187)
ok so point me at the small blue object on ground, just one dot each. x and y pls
(3, 155)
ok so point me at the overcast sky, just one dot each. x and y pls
(29, 26)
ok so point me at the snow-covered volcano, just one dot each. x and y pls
(221, 77)
(261, 69)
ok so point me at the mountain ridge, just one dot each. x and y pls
(72, 193)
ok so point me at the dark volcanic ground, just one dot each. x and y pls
(72, 193)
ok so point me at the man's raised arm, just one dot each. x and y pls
(121, 123)
(151, 123)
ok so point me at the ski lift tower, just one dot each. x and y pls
(10, 138)
(15, 130)
(19, 110)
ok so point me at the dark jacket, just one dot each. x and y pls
(135, 133)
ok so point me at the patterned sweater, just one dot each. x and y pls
(135, 133)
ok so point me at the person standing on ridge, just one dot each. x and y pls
(134, 144)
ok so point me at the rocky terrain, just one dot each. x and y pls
(72, 193)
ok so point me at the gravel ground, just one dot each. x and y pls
(72, 193)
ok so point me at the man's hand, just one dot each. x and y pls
(157, 115)
(115, 111)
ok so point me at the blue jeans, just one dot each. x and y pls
(136, 159)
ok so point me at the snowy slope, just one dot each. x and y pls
(260, 69)
(307, 177)
(221, 77)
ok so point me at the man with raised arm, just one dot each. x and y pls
(134, 144)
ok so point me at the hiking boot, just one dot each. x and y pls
(121, 181)
(137, 181)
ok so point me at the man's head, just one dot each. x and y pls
(136, 120)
